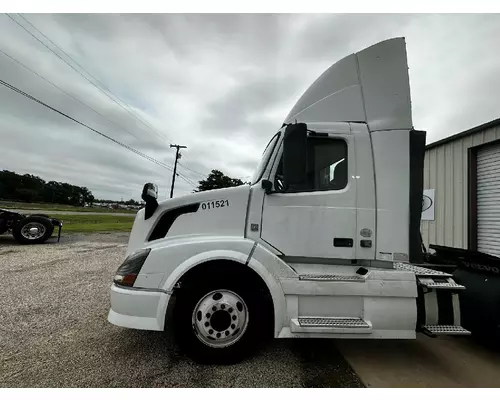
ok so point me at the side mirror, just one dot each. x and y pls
(295, 155)
(149, 192)
(150, 196)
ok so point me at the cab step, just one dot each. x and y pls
(437, 330)
(332, 277)
(330, 325)
(420, 271)
(338, 322)
(439, 283)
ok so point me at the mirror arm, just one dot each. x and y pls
(268, 187)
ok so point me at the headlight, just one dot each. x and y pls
(130, 268)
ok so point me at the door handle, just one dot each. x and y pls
(343, 242)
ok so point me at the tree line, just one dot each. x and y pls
(31, 189)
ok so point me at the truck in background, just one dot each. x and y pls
(29, 229)
(324, 243)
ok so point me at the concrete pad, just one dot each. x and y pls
(423, 363)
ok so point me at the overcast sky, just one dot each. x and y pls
(219, 84)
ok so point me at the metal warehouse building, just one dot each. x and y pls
(464, 171)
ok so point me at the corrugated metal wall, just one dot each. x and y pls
(446, 170)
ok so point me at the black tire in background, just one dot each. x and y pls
(257, 333)
(18, 228)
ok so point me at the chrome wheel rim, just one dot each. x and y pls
(33, 230)
(220, 318)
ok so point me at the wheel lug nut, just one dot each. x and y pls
(227, 333)
(214, 308)
(207, 315)
(230, 309)
(234, 317)
(210, 331)
(207, 324)
(218, 335)
(222, 306)
(233, 326)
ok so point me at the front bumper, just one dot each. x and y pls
(138, 308)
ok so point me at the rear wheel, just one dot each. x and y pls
(220, 321)
(33, 230)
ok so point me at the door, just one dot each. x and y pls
(318, 217)
(488, 200)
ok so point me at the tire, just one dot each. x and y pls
(39, 215)
(191, 332)
(21, 230)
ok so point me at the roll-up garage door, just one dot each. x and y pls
(488, 200)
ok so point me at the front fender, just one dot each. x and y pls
(229, 255)
(195, 253)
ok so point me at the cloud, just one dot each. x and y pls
(219, 84)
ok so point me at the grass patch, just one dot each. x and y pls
(95, 223)
(60, 207)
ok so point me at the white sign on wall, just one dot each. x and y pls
(428, 205)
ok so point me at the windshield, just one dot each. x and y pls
(265, 159)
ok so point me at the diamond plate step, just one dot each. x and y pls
(435, 330)
(440, 282)
(420, 271)
(333, 322)
(331, 277)
(336, 326)
(447, 285)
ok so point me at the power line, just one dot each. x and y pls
(65, 92)
(192, 183)
(128, 109)
(93, 77)
(92, 83)
(19, 91)
(77, 71)
(86, 105)
(205, 175)
(192, 170)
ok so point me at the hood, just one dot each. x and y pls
(220, 212)
(370, 86)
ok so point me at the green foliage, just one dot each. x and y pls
(31, 188)
(95, 223)
(217, 180)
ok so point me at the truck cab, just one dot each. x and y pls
(324, 242)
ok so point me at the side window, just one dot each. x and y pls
(327, 166)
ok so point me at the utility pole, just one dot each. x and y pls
(177, 156)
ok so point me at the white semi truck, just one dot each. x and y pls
(324, 243)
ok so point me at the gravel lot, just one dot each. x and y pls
(54, 331)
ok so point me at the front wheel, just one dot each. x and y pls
(218, 323)
(33, 230)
